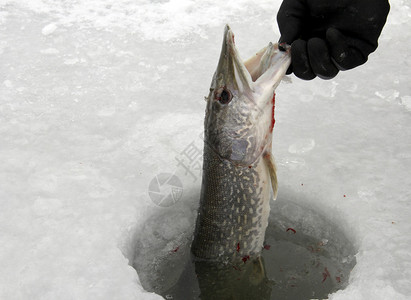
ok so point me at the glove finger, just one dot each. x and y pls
(290, 18)
(320, 59)
(299, 60)
(345, 57)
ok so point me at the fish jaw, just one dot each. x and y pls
(239, 115)
(272, 68)
(231, 71)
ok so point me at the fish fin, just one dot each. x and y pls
(269, 161)
(258, 271)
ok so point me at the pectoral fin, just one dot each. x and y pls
(269, 161)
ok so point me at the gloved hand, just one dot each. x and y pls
(330, 35)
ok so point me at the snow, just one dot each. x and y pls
(99, 97)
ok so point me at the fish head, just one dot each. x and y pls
(240, 106)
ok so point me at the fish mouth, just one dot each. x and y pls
(260, 74)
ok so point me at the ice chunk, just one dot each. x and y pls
(49, 29)
(302, 146)
(8, 83)
(49, 51)
(406, 101)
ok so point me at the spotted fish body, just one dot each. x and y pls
(238, 170)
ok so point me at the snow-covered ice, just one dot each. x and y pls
(98, 97)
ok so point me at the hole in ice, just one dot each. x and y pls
(305, 256)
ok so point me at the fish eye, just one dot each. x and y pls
(223, 95)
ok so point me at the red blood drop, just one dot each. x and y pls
(236, 268)
(238, 247)
(267, 247)
(245, 258)
(272, 115)
(293, 230)
(326, 274)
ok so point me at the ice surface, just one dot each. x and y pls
(98, 97)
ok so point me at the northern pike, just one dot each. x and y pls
(238, 168)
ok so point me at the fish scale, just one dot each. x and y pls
(230, 214)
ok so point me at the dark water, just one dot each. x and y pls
(305, 257)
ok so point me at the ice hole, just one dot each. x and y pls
(306, 255)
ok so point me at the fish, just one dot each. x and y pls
(239, 174)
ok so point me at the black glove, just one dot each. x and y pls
(330, 35)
